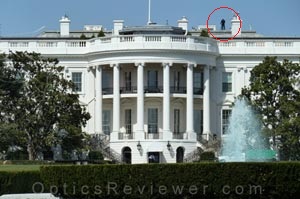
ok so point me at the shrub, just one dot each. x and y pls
(18, 182)
(17, 155)
(30, 162)
(95, 155)
(212, 180)
(204, 33)
(207, 156)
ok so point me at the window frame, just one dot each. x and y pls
(176, 121)
(128, 80)
(82, 81)
(200, 132)
(227, 120)
(128, 121)
(106, 123)
(227, 83)
(149, 83)
(154, 124)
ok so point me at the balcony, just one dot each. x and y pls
(126, 136)
(127, 90)
(180, 90)
(113, 43)
(153, 136)
(198, 91)
(153, 89)
(107, 91)
(178, 135)
(56, 46)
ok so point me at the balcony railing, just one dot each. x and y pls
(150, 89)
(181, 90)
(198, 91)
(154, 136)
(201, 137)
(178, 135)
(125, 136)
(131, 89)
(107, 91)
(153, 89)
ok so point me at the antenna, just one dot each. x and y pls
(149, 13)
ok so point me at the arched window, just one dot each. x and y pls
(179, 154)
(126, 155)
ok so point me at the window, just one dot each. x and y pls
(176, 80)
(128, 124)
(106, 82)
(152, 79)
(106, 122)
(77, 80)
(198, 121)
(225, 120)
(152, 120)
(227, 82)
(176, 120)
(198, 82)
(127, 81)
(153, 157)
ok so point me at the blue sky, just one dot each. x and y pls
(268, 17)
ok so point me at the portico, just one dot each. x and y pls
(165, 90)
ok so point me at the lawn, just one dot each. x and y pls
(19, 167)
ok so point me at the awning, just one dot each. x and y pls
(155, 147)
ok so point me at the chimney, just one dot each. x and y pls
(118, 25)
(183, 23)
(65, 26)
(236, 26)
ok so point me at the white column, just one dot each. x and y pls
(206, 103)
(190, 102)
(116, 102)
(98, 101)
(167, 135)
(140, 135)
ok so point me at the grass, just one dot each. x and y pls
(19, 167)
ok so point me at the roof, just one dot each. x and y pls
(152, 29)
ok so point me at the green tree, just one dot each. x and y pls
(273, 92)
(39, 103)
(101, 34)
(82, 36)
(204, 33)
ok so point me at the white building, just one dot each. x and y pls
(156, 93)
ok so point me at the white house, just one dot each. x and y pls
(156, 93)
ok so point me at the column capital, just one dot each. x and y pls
(191, 64)
(139, 64)
(91, 67)
(164, 64)
(240, 68)
(112, 65)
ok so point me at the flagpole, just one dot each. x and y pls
(149, 13)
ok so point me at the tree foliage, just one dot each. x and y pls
(273, 92)
(38, 103)
(101, 34)
(204, 33)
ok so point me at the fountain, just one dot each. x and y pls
(242, 140)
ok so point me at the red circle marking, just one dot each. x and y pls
(224, 40)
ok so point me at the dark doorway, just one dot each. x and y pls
(179, 155)
(126, 155)
(153, 157)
